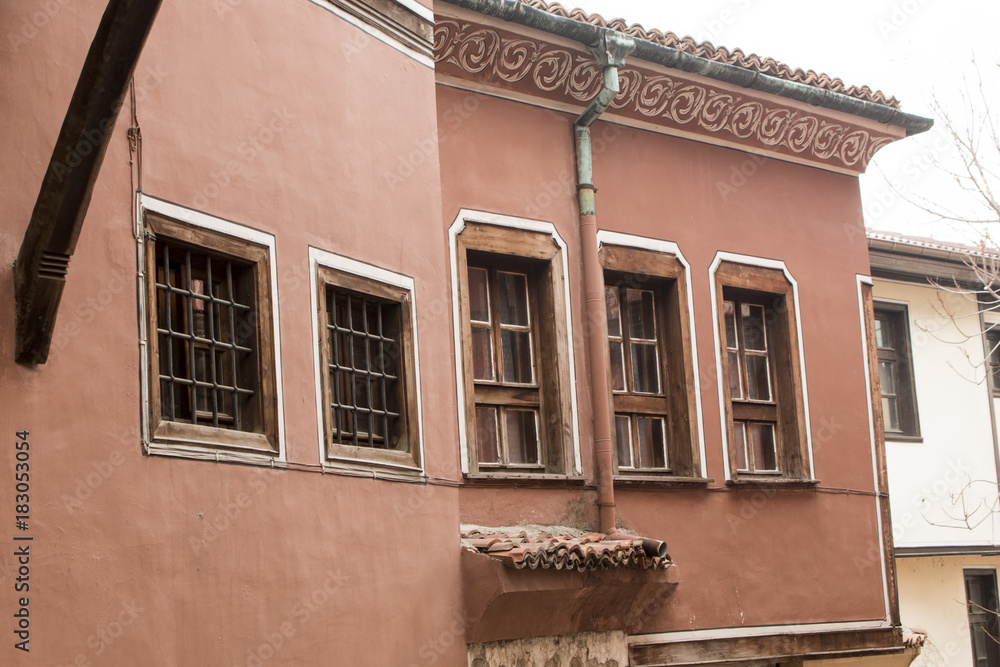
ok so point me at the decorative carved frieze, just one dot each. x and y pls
(528, 66)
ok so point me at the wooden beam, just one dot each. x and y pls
(771, 648)
(49, 242)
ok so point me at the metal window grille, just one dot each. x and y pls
(205, 333)
(364, 351)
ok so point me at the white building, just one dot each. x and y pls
(934, 337)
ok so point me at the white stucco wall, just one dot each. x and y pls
(943, 490)
(932, 598)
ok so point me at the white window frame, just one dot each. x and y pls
(723, 390)
(464, 217)
(235, 230)
(322, 258)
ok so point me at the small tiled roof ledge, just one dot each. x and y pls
(586, 33)
(559, 584)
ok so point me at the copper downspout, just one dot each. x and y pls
(610, 53)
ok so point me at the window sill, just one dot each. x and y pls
(362, 467)
(899, 437)
(662, 481)
(540, 480)
(772, 482)
(203, 453)
(206, 443)
(373, 470)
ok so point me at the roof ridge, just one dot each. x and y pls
(735, 57)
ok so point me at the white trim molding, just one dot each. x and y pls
(670, 248)
(235, 230)
(318, 258)
(466, 216)
(408, 28)
(765, 263)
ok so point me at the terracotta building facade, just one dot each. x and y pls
(481, 333)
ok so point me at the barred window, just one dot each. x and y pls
(206, 333)
(367, 369)
(363, 339)
(212, 381)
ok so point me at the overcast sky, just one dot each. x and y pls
(911, 49)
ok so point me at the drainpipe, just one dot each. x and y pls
(610, 52)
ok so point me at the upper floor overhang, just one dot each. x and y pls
(537, 53)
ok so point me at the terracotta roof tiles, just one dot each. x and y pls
(735, 57)
(589, 551)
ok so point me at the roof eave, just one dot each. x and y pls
(585, 33)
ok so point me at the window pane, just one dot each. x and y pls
(516, 352)
(208, 366)
(652, 444)
(765, 457)
(882, 334)
(512, 291)
(730, 312)
(486, 435)
(753, 327)
(640, 314)
(740, 445)
(623, 436)
(645, 375)
(612, 308)
(758, 381)
(482, 354)
(522, 436)
(890, 414)
(735, 381)
(886, 377)
(617, 366)
(479, 295)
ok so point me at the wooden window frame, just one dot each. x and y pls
(263, 440)
(538, 254)
(408, 455)
(666, 276)
(901, 357)
(772, 288)
(992, 358)
(979, 615)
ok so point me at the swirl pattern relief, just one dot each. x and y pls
(662, 99)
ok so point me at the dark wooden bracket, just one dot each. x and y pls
(49, 242)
